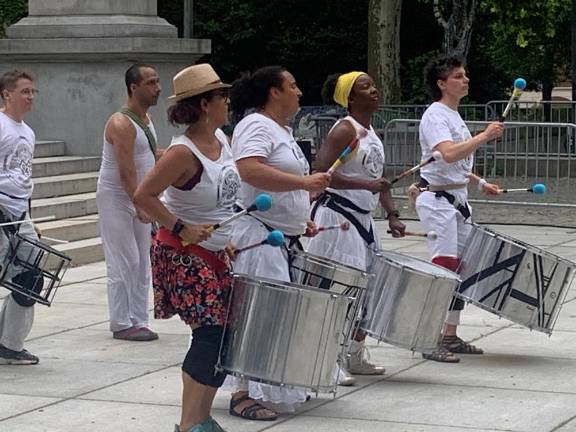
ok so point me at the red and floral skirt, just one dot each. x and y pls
(186, 285)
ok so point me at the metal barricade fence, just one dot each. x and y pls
(527, 153)
(542, 111)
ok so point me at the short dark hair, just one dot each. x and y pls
(329, 87)
(438, 68)
(134, 76)
(9, 79)
(187, 111)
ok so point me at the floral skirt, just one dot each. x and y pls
(186, 285)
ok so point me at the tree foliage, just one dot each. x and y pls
(10, 12)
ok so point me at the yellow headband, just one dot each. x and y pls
(344, 87)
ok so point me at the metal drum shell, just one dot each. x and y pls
(539, 280)
(407, 301)
(283, 334)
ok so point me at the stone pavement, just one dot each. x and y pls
(86, 381)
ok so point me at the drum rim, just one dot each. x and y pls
(446, 274)
(290, 285)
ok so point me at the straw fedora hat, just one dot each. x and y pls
(195, 80)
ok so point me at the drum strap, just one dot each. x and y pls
(327, 199)
(462, 208)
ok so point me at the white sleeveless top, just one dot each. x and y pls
(259, 136)
(367, 163)
(144, 160)
(212, 199)
(17, 142)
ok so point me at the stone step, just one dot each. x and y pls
(72, 229)
(60, 165)
(68, 184)
(83, 251)
(44, 149)
(65, 206)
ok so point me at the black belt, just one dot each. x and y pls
(462, 208)
(338, 203)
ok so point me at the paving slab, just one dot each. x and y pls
(11, 405)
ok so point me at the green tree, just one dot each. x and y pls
(530, 39)
(10, 12)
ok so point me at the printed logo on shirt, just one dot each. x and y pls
(228, 186)
(373, 161)
(18, 165)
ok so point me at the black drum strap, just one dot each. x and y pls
(328, 200)
(462, 208)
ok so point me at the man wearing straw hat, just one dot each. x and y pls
(129, 152)
(17, 141)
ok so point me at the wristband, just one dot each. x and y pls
(178, 227)
(481, 184)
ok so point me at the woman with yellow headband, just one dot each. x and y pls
(355, 191)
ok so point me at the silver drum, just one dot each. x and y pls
(513, 279)
(407, 301)
(283, 334)
(319, 272)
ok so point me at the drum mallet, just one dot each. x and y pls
(519, 86)
(345, 226)
(430, 235)
(40, 219)
(341, 159)
(436, 156)
(275, 238)
(263, 202)
(537, 188)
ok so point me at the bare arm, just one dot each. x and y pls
(453, 152)
(255, 172)
(121, 133)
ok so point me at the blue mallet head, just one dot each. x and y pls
(539, 188)
(520, 83)
(275, 238)
(263, 202)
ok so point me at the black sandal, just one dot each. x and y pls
(251, 411)
(456, 345)
(441, 355)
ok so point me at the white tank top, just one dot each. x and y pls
(367, 163)
(144, 160)
(212, 199)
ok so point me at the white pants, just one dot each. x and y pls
(266, 262)
(15, 320)
(126, 243)
(437, 214)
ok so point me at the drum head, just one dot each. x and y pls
(416, 264)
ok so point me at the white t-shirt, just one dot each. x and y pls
(366, 163)
(17, 142)
(258, 136)
(212, 199)
(441, 123)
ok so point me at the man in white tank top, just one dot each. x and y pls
(129, 153)
(17, 142)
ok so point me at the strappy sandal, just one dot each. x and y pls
(456, 345)
(251, 411)
(441, 355)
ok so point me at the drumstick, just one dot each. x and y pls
(537, 188)
(345, 226)
(263, 202)
(40, 219)
(436, 155)
(430, 234)
(275, 238)
(349, 149)
(519, 86)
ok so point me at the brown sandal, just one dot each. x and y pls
(251, 411)
(456, 345)
(441, 355)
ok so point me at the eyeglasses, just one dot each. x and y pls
(29, 92)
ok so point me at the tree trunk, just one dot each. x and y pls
(458, 27)
(384, 47)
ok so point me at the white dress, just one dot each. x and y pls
(259, 136)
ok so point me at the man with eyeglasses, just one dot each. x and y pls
(17, 142)
(129, 152)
